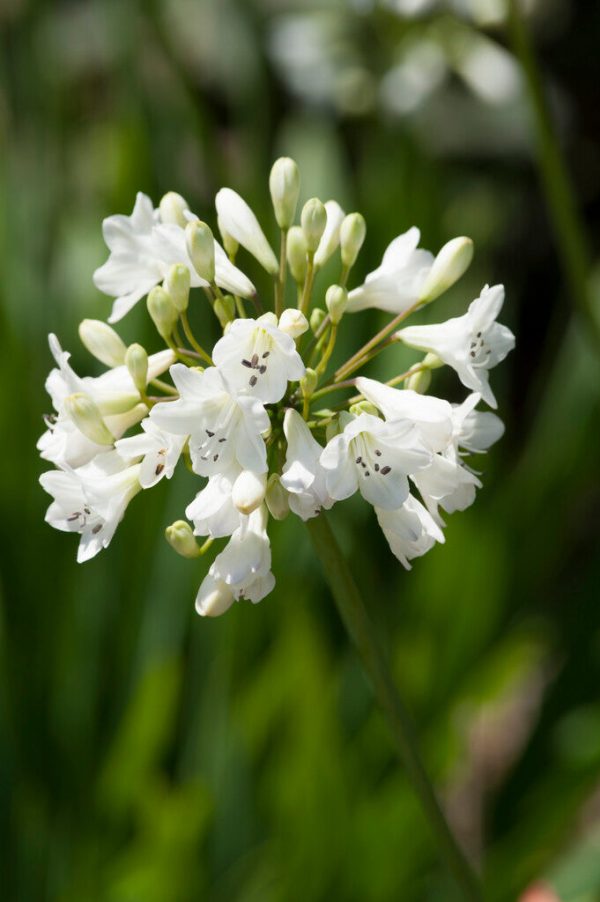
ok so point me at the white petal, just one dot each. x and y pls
(240, 222)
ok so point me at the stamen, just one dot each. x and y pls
(266, 354)
(377, 452)
(209, 433)
(359, 460)
(385, 471)
(254, 360)
(159, 469)
(247, 363)
(253, 380)
(97, 529)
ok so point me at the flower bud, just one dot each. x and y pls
(314, 220)
(352, 235)
(201, 248)
(248, 491)
(336, 300)
(172, 208)
(296, 254)
(331, 236)
(229, 243)
(162, 311)
(364, 407)
(179, 535)
(277, 498)
(136, 361)
(241, 223)
(284, 184)
(102, 342)
(449, 265)
(214, 597)
(332, 429)
(177, 284)
(419, 381)
(316, 319)
(293, 322)
(85, 414)
(224, 307)
(308, 383)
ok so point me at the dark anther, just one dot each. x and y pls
(359, 460)
(209, 433)
(367, 473)
(377, 452)
(479, 335)
(262, 369)
(216, 457)
(385, 471)
(376, 468)
(159, 469)
(247, 363)
(472, 353)
(254, 360)
(253, 381)
(222, 440)
(266, 354)
(74, 517)
(97, 528)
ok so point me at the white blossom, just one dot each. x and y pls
(303, 475)
(330, 238)
(431, 416)
(410, 530)
(212, 511)
(159, 452)
(471, 344)
(238, 220)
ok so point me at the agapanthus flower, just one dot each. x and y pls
(247, 415)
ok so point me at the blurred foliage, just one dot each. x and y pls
(148, 755)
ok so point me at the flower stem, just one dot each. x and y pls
(308, 286)
(556, 184)
(366, 348)
(280, 283)
(192, 340)
(361, 631)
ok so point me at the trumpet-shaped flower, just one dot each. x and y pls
(374, 458)
(410, 530)
(212, 511)
(91, 500)
(224, 428)
(159, 452)
(432, 416)
(471, 344)
(303, 475)
(257, 358)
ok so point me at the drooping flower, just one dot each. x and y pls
(471, 344)
(257, 358)
(212, 511)
(410, 530)
(224, 428)
(158, 449)
(374, 458)
(303, 475)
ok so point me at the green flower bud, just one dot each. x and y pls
(449, 265)
(314, 220)
(364, 407)
(102, 342)
(85, 414)
(296, 254)
(225, 309)
(308, 383)
(432, 361)
(419, 381)
(162, 311)
(352, 235)
(284, 184)
(136, 361)
(316, 318)
(172, 208)
(177, 284)
(179, 535)
(276, 498)
(201, 248)
(336, 300)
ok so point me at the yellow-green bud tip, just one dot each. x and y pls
(336, 301)
(201, 248)
(314, 220)
(177, 284)
(352, 236)
(162, 311)
(179, 535)
(136, 361)
(85, 414)
(172, 208)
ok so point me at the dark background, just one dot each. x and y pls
(146, 754)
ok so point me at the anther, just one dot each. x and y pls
(254, 360)
(253, 381)
(209, 433)
(247, 363)
(385, 470)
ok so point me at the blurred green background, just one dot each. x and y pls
(146, 754)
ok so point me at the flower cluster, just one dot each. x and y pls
(246, 417)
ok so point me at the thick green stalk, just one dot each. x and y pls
(360, 629)
(556, 184)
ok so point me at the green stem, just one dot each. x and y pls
(361, 631)
(308, 285)
(366, 348)
(556, 184)
(280, 283)
(192, 340)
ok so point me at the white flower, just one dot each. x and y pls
(410, 530)
(142, 249)
(375, 458)
(212, 511)
(158, 449)
(303, 476)
(238, 221)
(396, 284)
(241, 570)
(471, 344)
(257, 358)
(330, 238)
(91, 500)
(432, 416)
(224, 429)
(114, 394)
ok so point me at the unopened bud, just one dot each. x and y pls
(85, 414)
(214, 597)
(179, 535)
(102, 342)
(314, 220)
(419, 381)
(201, 248)
(172, 209)
(224, 308)
(449, 265)
(293, 322)
(332, 429)
(352, 236)
(284, 184)
(248, 492)
(162, 311)
(432, 361)
(136, 361)
(336, 300)
(316, 319)
(308, 383)
(277, 498)
(364, 407)
(296, 254)
(229, 243)
(331, 236)
(177, 284)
